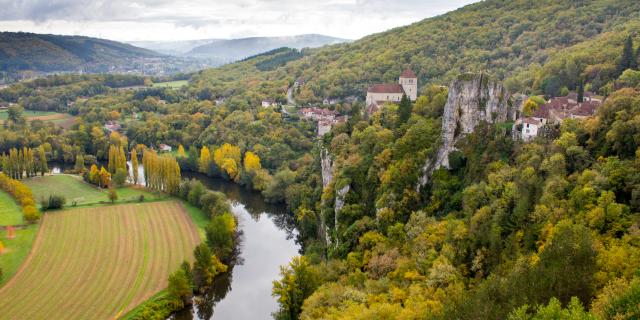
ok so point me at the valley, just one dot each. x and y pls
(479, 164)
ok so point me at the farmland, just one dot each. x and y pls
(83, 255)
(76, 190)
(16, 250)
(31, 115)
(171, 84)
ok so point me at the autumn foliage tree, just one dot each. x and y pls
(134, 165)
(228, 158)
(117, 159)
(204, 160)
(162, 173)
(20, 162)
(23, 195)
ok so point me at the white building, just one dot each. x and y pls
(268, 103)
(530, 128)
(164, 148)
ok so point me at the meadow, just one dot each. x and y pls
(83, 194)
(62, 119)
(99, 263)
(10, 212)
(15, 251)
(171, 84)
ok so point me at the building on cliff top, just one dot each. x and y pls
(378, 94)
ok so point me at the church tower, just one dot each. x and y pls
(409, 83)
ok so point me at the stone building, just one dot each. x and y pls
(378, 94)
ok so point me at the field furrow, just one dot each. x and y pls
(98, 263)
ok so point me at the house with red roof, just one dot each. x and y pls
(379, 94)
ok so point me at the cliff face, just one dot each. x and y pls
(472, 99)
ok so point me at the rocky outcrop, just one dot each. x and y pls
(326, 166)
(473, 98)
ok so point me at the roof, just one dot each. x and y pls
(531, 121)
(386, 88)
(408, 73)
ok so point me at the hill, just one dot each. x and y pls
(48, 53)
(236, 49)
(499, 36)
(174, 48)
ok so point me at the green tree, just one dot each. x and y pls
(581, 91)
(113, 195)
(298, 281)
(221, 234)
(205, 267)
(15, 114)
(553, 311)
(180, 286)
(120, 177)
(628, 59)
(404, 110)
(79, 165)
(42, 158)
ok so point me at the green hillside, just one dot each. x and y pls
(499, 36)
(46, 52)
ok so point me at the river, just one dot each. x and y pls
(267, 242)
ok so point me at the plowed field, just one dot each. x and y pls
(98, 263)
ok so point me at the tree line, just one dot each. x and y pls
(20, 163)
(23, 196)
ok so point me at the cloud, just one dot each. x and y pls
(220, 18)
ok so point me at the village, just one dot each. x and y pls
(526, 127)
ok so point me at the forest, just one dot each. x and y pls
(546, 229)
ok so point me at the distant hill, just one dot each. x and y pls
(237, 49)
(174, 48)
(49, 53)
(502, 37)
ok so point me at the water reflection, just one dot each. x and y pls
(267, 242)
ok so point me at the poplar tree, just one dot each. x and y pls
(79, 166)
(43, 160)
(205, 159)
(134, 165)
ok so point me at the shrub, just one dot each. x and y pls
(53, 202)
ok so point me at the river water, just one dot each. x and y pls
(267, 242)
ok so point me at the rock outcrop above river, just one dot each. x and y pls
(473, 98)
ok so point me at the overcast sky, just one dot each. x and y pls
(129, 20)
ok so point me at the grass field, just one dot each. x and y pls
(74, 189)
(10, 212)
(16, 250)
(171, 84)
(98, 263)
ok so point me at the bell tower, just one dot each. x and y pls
(409, 82)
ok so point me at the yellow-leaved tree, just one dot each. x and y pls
(251, 162)
(181, 152)
(205, 159)
(227, 158)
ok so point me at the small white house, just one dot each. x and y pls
(164, 148)
(268, 103)
(530, 128)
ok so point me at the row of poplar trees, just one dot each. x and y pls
(20, 163)
(161, 172)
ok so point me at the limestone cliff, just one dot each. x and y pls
(326, 166)
(473, 98)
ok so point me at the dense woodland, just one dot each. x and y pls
(546, 229)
